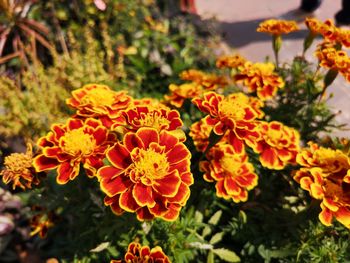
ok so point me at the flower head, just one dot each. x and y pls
(234, 61)
(279, 145)
(68, 145)
(149, 175)
(207, 81)
(260, 78)
(235, 114)
(233, 174)
(160, 119)
(200, 132)
(277, 27)
(41, 223)
(99, 101)
(325, 174)
(179, 93)
(19, 169)
(137, 253)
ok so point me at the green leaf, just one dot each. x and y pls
(210, 258)
(216, 238)
(227, 255)
(206, 231)
(214, 220)
(100, 247)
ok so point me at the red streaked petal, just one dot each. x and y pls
(127, 201)
(119, 156)
(112, 180)
(132, 141)
(66, 172)
(143, 195)
(148, 135)
(42, 163)
(178, 153)
(168, 185)
(144, 214)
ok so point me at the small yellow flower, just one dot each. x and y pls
(277, 27)
(19, 170)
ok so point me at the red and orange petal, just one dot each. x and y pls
(233, 61)
(179, 93)
(207, 81)
(233, 174)
(149, 174)
(138, 253)
(68, 145)
(99, 101)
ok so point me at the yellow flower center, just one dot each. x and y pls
(232, 109)
(154, 120)
(151, 165)
(229, 164)
(98, 97)
(76, 142)
(18, 162)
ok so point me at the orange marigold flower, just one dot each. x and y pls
(149, 175)
(260, 78)
(208, 81)
(159, 119)
(68, 145)
(41, 223)
(314, 25)
(331, 58)
(325, 174)
(19, 170)
(233, 114)
(179, 93)
(279, 145)
(232, 172)
(277, 27)
(99, 101)
(233, 61)
(200, 132)
(137, 253)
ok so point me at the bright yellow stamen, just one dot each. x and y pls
(76, 142)
(151, 165)
(230, 165)
(233, 109)
(99, 96)
(154, 120)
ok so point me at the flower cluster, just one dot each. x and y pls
(325, 174)
(277, 27)
(137, 253)
(260, 78)
(19, 170)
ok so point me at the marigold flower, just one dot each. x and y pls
(208, 81)
(151, 103)
(233, 61)
(68, 145)
(331, 58)
(200, 132)
(137, 253)
(149, 175)
(19, 170)
(159, 119)
(41, 223)
(279, 145)
(260, 78)
(234, 114)
(99, 101)
(277, 27)
(325, 174)
(179, 93)
(232, 172)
